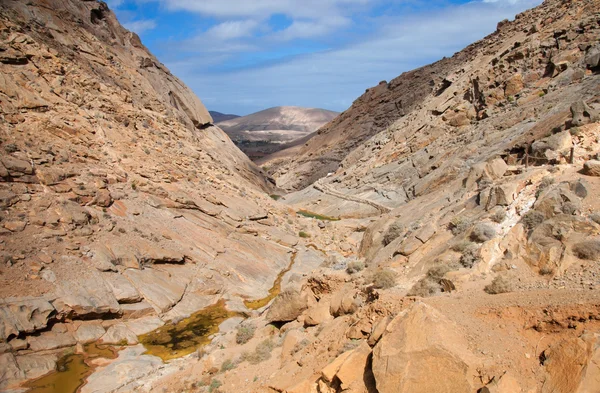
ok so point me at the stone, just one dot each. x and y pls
(318, 314)
(102, 198)
(18, 344)
(10, 374)
(130, 366)
(426, 232)
(36, 365)
(15, 226)
(422, 351)
(24, 316)
(136, 310)
(85, 296)
(156, 288)
(292, 338)
(560, 142)
(514, 85)
(16, 166)
(144, 325)
(353, 367)
(89, 332)
(409, 246)
(119, 334)
(591, 168)
(346, 301)
(50, 340)
(123, 290)
(592, 58)
(7, 199)
(287, 306)
(378, 330)
(496, 168)
(583, 114)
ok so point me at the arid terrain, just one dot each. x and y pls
(442, 234)
(266, 132)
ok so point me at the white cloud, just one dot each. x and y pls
(333, 79)
(140, 26)
(231, 30)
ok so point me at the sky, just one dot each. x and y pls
(242, 56)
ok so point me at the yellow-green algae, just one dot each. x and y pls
(183, 338)
(273, 292)
(71, 371)
(317, 216)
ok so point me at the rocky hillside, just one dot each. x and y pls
(218, 116)
(456, 249)
(268, 131)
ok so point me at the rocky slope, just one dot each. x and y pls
(466, 258)
(268, 131)
(218, 116)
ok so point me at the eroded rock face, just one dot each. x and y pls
(421, 351)
(287, 306)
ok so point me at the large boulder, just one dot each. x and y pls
(287, 306)
(23, 316)
(422, 352)
(345, 301)
(592, 168)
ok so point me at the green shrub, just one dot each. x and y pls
(392, 233)
(384, 279)
(459, 225)
(500, 284)
(261, 353)
(482, 233)
(355, 267)
(532, 219)
(589, 249)
(228, 365)
(275, 197)
(303, 234)
(215, 384)
(244, 333)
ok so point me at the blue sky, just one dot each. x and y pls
(242, 56)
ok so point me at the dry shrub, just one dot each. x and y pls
(384, 279)
(482, 233)
(500, 284)
(470, 257)
(355, 267)
(430, 284)
(261, 353)
(532, 219)
(498, 216)
(244, 333)
(393, 232)
(461, 246)
(459, 225)
(589, 249)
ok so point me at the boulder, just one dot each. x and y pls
(422, 351)
(157, 288)
(291, 340)
(24, 316)
(583, 114)
(591, 168)
(592, 58)
(10, 374)
(287, 306)
(349, 367)
(559, 143)
(514, 85)
(123, 290)
(378, 330)
(88, 332)
(36, 365)
(345, 301)
(85, 297)
(318, 314)
(50, 340)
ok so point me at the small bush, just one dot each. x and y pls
(500, 284)
(384, 279)
(498, 216)
(424, 288)
(393, 232)
(459, 225)
(461, 246)
(589, 249)
(215, 384)
(510, 99)
(275, 197)
(244, 333)
(261, 353)
(228, 365)
(355, 267)
(482, 233)
(532, 219)
(11, 148)
(546, 271)
(303, 234)
(470, 257)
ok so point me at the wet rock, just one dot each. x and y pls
(287, 306)
(421, 351)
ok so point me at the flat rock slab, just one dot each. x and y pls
(130, 366)
(88, 332)
(123, 290)
(144, 325)
(86, 296)
(157, 287)
(34, 365)
(23, 315)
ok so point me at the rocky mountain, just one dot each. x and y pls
(218, 116)
(456, 248)
(268, 131)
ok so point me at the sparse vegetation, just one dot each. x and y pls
(228, 365)
(384, 279)
(547, 271)
(459, 225)
(470, 257)
(482, 233)
(355, 267)
(275, 197)
(215, 384)
(11, 148)
(392, 233)
(261, 353)
(589, 249)
(306, 213)
(461, 246)
(532, 219)
(510, 99)
(430, 284)
(500, 284)
(244, 333)
(303, 234)
(498, 216)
